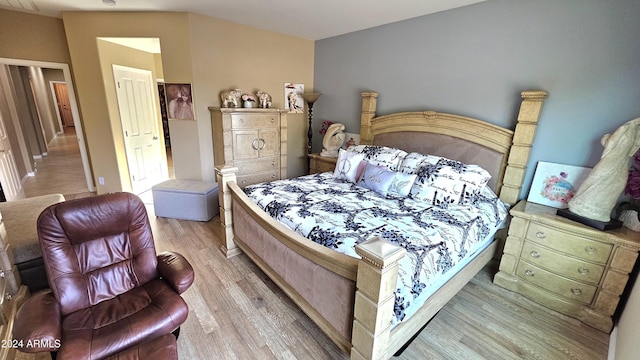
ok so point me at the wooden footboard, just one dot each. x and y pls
(364, 298)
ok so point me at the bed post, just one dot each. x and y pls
(523, 136)
(368, 112)
(374, 304)
(224, 176)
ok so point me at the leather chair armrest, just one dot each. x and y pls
(175, 270)
(37, 324)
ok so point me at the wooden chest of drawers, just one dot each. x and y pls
(566, 266)
(253, 140)
(319, 164)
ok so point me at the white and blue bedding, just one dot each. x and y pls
(340, 214)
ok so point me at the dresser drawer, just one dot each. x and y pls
(322, 166)
(568, 243)
(561, 264)
(246, 167)
(254, 121)
(257, 178)
(547, 280)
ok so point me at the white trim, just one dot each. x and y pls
(612, 343)
(74, 108)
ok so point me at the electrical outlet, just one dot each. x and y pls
(101, 180)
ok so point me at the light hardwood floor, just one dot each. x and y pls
(236, 312)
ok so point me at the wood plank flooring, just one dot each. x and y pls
(236, 312)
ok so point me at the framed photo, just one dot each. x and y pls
(179, 101)
(555, 184)
(293, 97)
(350, 139)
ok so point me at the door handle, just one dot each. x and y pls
(155, 138)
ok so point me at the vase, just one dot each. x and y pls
(630, 220)
(247, 104)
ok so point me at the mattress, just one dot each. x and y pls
(338, 214)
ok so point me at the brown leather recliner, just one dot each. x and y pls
(109, 290)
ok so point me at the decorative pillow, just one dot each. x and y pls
(401, 184)
(376, 178)
(381, 155)
(412, 162)
(443, 181)
(347, 165)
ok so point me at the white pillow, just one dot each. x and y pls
(401, 184)
(381, 155)
(347, 165)
(441, 181)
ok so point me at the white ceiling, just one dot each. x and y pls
(309, 19)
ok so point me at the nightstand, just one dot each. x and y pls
(567, 266)
(318, 164)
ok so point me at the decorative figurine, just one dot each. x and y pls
(264, 100)
(333, 140)
(231, 96)
(599, 193)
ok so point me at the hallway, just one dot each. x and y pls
(60, 171)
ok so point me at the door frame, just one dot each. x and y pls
(74, 109)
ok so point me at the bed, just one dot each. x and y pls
(351, 298)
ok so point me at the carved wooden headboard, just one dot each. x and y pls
(503, 152)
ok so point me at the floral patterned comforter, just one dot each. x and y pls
(339, 215)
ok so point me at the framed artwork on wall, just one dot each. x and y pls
(293, 97)
(179, 101)
(555, 184)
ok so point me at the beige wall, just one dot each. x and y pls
(32, 37)
(628, 327)
(209, 53)
(113, 54)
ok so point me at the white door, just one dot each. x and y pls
(9, 178)
(136, 102)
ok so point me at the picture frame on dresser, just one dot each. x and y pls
(555, 184)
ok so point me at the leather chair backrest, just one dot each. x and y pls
(96, 248)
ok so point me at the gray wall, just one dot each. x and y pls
(475, 61)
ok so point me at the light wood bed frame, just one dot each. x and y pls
(371, 280)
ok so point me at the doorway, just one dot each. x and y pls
(136, 103)
(73, 107)
(62, 104)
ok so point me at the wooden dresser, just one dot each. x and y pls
(318, 164)
(566, 266)
(253, 140)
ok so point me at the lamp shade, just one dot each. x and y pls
(310, 98)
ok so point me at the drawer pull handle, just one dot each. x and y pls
(1, 273)
(273, 120)
(244, 181)
(253, 144)
(541, 235)
(576, 291)
(529, 273)
(273, 176)
(535, 254)
(590, 249)
(583, 271)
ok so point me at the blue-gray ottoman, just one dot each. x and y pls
(186, 199)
